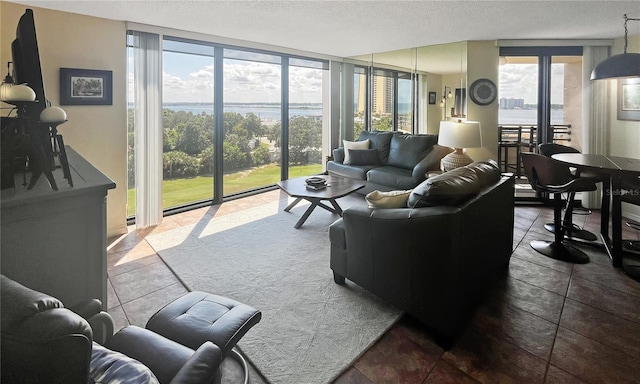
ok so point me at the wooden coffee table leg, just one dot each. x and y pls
(296, 201)
(336, 207)
(306, 213)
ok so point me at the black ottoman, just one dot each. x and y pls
(199, 316)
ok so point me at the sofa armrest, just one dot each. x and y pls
(201, 367)
(431, 162)
(162, 356)
(338, 155)
(87, 308)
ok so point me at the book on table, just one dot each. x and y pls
(316, 187)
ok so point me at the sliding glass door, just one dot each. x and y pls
(541, 95)
(542, 87)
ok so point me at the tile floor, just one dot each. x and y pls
(545, 321)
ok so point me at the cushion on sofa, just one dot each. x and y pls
(395, 177)
(379, 140)
(450, 188)
(363, 156)
(353, 145)
(487, 171)
(390, 199)
(405, 151)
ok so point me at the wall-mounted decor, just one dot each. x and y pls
(432, 97)
(86, 87)
(629, 99)
(483, 91)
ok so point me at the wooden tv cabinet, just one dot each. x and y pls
(56, 241)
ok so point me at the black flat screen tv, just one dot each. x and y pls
(26, 62)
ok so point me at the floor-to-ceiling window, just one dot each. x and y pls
(235, 97)
(305, 116)
(252, 120)
(404, 100)
(360, 106)
(383, 100)
(187, 123)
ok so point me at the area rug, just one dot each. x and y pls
(312, 329)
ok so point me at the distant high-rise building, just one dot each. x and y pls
(511, 103)
(382, 95)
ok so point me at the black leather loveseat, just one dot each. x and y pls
(433, 260)
(400, 160)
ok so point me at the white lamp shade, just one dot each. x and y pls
(53, 115)
(20, 92)
(460, 134)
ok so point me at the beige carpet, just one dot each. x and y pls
(312, 329)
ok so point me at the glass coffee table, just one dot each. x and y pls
(337, 187)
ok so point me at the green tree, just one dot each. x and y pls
(305, 139)
(179, 164)
(235, 158)
(261, 155)
(383, 123)
(253, 125)
(206, 161)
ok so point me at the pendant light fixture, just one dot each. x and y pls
(622, 65)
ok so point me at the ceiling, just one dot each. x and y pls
(346, 28)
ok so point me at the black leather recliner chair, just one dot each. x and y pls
(43, 342)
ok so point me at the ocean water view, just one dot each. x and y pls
(266, 111)
(271, 111)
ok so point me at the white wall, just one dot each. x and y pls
(482, 63)
(624, 135)
(98, 133)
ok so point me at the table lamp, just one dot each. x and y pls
(458, 134)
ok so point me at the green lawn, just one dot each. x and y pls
(181, 191)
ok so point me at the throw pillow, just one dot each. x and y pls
(353, 145)
(391, 199)
(379, 140)
(363, 156)
(405, 151)
(109, 366)
(450, 188)
(487, 171)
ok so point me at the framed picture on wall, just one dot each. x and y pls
(85, 87)
(432, 97)
(629, 99)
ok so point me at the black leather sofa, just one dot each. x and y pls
(402, 160)
(434, 258)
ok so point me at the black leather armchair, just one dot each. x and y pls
(43, 342)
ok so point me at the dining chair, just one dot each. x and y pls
(509, 137)
(571, 229)
(547, 175)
